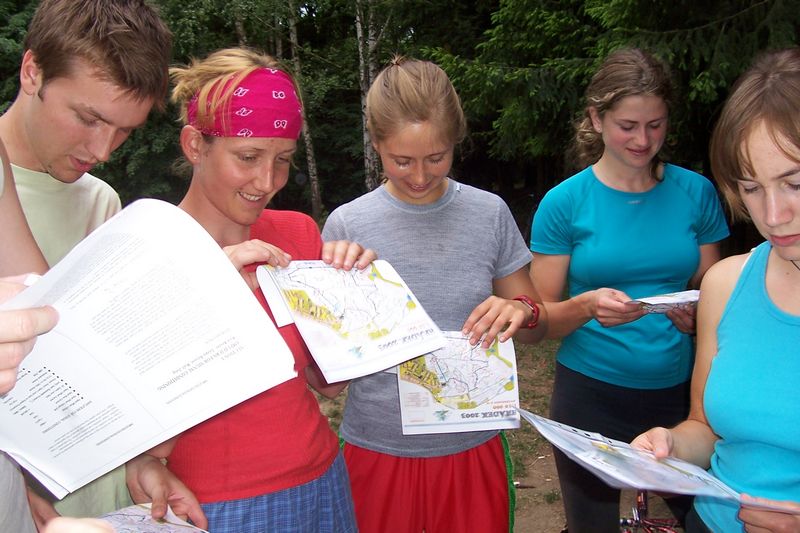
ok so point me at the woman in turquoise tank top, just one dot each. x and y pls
(744, 406)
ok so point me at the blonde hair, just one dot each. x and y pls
(202, 77)
(625, 72)
(414, 91)
(769, 93)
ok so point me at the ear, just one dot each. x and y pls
(191, 143)
(597, 122)
(30, 75)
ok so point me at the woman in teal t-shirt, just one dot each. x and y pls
(627, 226)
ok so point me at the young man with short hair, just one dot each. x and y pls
(90, 74)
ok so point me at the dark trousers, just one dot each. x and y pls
(619, 413)
(695, 524)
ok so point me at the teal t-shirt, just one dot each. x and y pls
(641, 243)
(751, 399)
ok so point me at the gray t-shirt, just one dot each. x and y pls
(448, 252)
(15, 515)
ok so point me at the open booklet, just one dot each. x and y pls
(624, 467)
(157, 332)
(460, 388)
(354, 322)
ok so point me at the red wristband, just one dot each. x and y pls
(532, 323)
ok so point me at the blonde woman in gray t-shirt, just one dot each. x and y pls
(462, 255)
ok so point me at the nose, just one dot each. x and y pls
(104, 141)
(641, 137)
(418, 175)
(776, 211)
(264, 181)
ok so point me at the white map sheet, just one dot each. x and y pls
(137, 519)
(460, 387)
(354, 323)
(624, 467)
(664, 302)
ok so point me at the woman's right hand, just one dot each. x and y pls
(658, 440)
(611, 307)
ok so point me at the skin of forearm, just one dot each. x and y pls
(566, 316)
(693, 441)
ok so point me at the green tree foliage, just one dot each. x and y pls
(526, 81)
(520, 66)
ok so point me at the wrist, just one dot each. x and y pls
(534, 308)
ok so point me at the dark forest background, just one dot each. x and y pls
(520, 67)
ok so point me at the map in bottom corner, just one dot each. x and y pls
(460, 388)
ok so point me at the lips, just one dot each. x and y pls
(640, 153)
(80, 165)
(784, 240)
(251, 197)
(418, 188)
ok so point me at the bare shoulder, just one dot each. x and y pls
(721, 278)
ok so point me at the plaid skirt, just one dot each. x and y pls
(323, 505)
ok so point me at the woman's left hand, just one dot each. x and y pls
(346, 255)
(684, 319)
(495, 316)
(255, 251)
(760, 520)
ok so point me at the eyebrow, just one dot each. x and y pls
(785, 174)
(637, 122)
(398, 156)
(99, 116)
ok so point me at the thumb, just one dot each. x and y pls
(158, 506)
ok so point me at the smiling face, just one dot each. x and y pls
(633, 131)
(72, 123)
(234, 178)
(416, 162)
(772, 193)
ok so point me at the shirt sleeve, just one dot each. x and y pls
(552, 222)
(711, 224)
(334, 228)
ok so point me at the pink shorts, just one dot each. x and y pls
(463, 492)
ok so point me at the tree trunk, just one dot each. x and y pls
(311, 162)
(367, 70)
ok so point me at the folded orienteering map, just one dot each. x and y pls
(625, 467)
(460, 388)
(664, 302)
(354, 322)
(137, 519)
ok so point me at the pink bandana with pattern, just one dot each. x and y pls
(264, 104)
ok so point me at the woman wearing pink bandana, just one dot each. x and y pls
(271, 463)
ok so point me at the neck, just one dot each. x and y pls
(224, 231)
(622, 177)
(17, 145)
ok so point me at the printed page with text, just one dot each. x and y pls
(157, 332)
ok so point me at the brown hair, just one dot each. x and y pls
(768, 92)
(413, 91)
(125, 40)
(625, 72)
